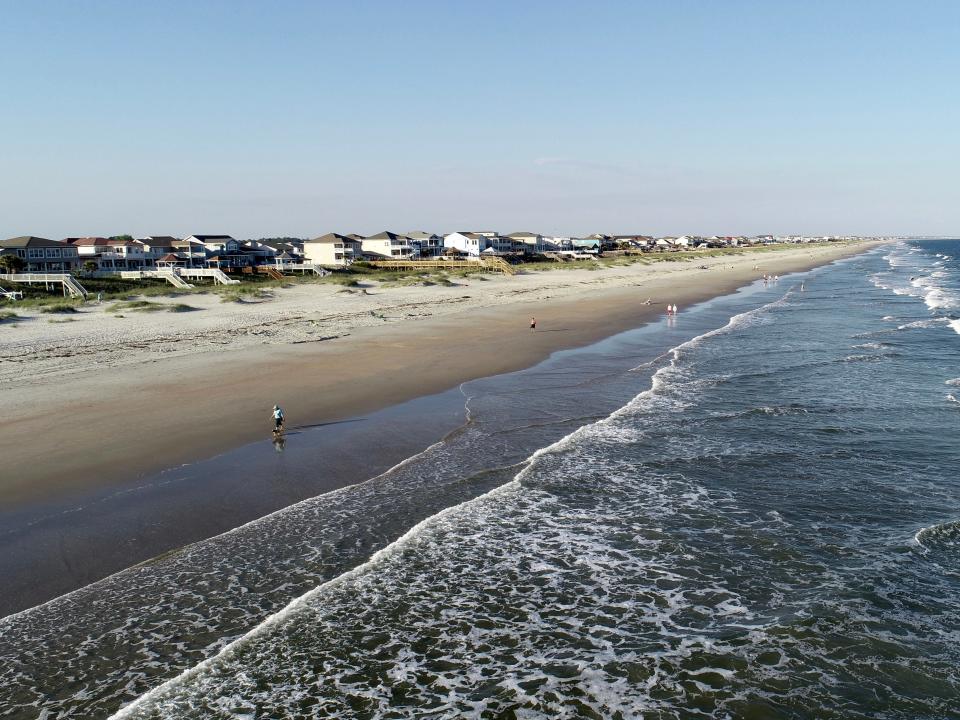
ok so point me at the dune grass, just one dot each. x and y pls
(148, 306)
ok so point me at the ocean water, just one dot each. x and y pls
(751, 511)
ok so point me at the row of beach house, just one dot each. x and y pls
(333, 249)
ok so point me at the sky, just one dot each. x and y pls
(260, 119)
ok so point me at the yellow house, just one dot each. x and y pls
(332, 250)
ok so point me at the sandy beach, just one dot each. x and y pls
(103, 399)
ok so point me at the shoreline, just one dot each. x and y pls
(147, 412)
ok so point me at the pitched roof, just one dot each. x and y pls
(159, 239)
(86, 241)
(523, 234)
(208, 238)
(385, 235)
(420, 235)
(29, 241)
(332, 238)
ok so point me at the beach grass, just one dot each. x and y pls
(148, 306)
(60, 307)
(246, 293)
(136, 306)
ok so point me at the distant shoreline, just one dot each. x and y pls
(103, 400)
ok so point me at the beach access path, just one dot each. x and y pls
(103, 399)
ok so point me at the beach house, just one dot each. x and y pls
(217, 244)
(41, 255)
(112, 254)
(589, 245)
(469, 243)
(156, 247)
(426, 244)
(530, 243)
(332, 250)
(388, 245)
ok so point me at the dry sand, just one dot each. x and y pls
(103, 399)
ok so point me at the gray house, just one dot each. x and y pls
(41, 255)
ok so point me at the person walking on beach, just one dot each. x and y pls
(533, 323)
(674, 308)
(277, 419)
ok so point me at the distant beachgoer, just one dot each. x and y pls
(801, 286)
(99, 297)
(674, 309)
(533, 323)
(277, 419)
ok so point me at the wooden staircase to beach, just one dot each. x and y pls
(67, 281)
(270, 272)
(498, 263)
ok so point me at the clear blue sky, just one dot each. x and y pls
(298, 118)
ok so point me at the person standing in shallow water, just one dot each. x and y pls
(533, 323)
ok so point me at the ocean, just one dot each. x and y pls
(751, 510)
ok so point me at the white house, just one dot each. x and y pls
(112, 253)
(388, 245)
(332, 250)
(468, 242)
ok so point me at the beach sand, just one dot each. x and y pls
(103, 399)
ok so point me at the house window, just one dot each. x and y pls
(35, 253)
(338, 256)
(394, 252)
(53, 252)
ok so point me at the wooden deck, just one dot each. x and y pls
(494, 264)
(65, 280)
